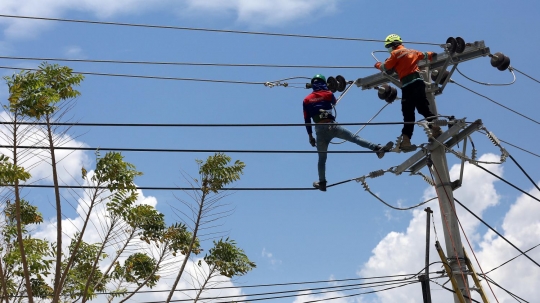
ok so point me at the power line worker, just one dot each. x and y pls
(318, 106)
(405, 63)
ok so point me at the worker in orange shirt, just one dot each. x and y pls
(405, 63)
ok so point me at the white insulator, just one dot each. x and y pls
(377, 173)
(364, 184)
(429, 181)
(493, 139)
(440, 122)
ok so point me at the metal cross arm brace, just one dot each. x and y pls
(418, 160)
(472, 51)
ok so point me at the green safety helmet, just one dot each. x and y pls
(318, 76)
(392, 40)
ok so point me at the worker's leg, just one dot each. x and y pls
(407, 108)
(418, 91)
(323, 140)
(345, 134)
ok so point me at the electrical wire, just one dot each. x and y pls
(181, 63)
(524, 74)
(496, 232)
(198, 124)
(203, 29)
(509, 183)
(524, 172)
(367, 123)
(506, 107)
(147, 77)
(326, 299)
(453, 291)
(488, 84)
(196, 150)
(319, 290)
(513, 145)
(528, 250)
(516, 297)
(279, 284)
(181, 188)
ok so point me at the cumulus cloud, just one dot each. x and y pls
(402, 252)
(35, 161)
(257, 13)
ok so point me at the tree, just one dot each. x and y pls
(225, 259)
(136, 246)
(36, 94)
(214, 174)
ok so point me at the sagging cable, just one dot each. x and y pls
(379, 173)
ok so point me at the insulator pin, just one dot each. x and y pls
(435, 75)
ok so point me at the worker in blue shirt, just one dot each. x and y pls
(318, 107)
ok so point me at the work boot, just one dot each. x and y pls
(321, 185)
(380, 150)
(405, 144)
(436, 131)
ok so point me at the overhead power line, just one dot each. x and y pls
(196, 150)
(524, 74)
(202, 29)
(509, 183)
(180, 188)
(496, 232)
(182, 63)
(147, 77)
(198, 124)
(313, 291)
(277, 284)
(512, 259)
(499, 104)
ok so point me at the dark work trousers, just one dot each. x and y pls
(414, 96)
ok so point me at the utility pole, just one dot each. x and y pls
(434, 154)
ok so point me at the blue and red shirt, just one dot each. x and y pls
(318, 105)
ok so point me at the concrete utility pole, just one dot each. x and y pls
(436, 152)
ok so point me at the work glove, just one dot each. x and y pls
(312, 141)
(432, 56)
(378, 65)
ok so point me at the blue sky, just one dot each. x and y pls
(302, 235)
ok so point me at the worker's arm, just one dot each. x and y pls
(388, 64)
(307, 120)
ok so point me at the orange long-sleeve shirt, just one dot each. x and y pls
(404, 61)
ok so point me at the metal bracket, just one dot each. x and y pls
(472, 51)
(417, 161)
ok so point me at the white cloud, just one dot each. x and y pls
(265, 12)
(74, 52)
(36, 161)
(403, 252)
(253, 13)
(268, 255)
